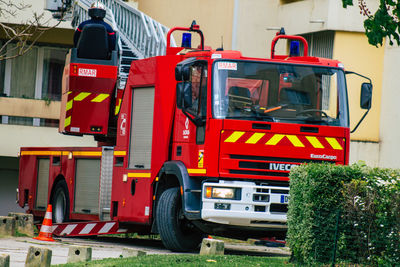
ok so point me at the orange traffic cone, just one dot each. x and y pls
(46, 231)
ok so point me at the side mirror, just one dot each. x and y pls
(182, 69)
(184, 95)
(182, 72)
(366, 96)
(179, 93)
(187, 94)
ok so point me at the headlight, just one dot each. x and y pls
(223, 192)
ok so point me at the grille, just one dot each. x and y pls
(279, 191)
(279, 208)
(265, 166)
(263, 173)
(274, 159)
(260, 198)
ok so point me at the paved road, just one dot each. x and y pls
(110, 247)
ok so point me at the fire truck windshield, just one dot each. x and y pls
(291, 93)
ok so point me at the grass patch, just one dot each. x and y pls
(19, 234)
(188, 260)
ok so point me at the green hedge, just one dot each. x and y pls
(352, 211)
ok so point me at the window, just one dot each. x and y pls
(199, 90)
(23, 86)
(320, 44)
(42, 69)
(289, 93)
(49, 122)
(19, 120)
(2, 69)
(53, 66)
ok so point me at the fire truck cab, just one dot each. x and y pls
(203, 142)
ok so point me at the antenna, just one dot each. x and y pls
(222, 44)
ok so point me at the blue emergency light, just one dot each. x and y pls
(294, 49)
(186, 40)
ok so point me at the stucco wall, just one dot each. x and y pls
(318, 15)
(390, 109)
(214, 17)
(353, 50)
(15, 136)
(26, 14)
(368, 152)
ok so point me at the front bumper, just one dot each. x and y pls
(260, 205)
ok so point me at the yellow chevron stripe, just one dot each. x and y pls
(81, 96)
(100, 98)
(334, 143)
(69, 105)
(275, 139)
(314, 142)
(139, 175)
(118, 107)
(67, 121)
(295, 140)
(255, 138)
(234, 137)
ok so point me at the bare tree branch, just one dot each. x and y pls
(23, 35)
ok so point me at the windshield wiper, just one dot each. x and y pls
(260, 114)
(257, 117)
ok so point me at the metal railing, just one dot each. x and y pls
(144, 36)
(139, 35)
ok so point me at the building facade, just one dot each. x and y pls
(30, 94)
(30, 85)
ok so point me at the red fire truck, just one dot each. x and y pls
(199, 142)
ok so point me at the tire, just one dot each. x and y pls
(60, 202)
(176, 232)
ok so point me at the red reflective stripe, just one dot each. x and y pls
(79, 30)
(111, 33)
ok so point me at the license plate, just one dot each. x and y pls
(284, 198)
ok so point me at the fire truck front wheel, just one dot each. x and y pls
(60, 202)
(176, 232)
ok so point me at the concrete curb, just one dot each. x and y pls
(212, 247)
(38, 256)
(79, 254)
(4, 260)
(23, 223)
(129, 252)
(7, 226)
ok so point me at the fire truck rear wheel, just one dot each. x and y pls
(176, 232)
(60, 202)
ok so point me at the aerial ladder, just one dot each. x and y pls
(93, 88)
(140, 36)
